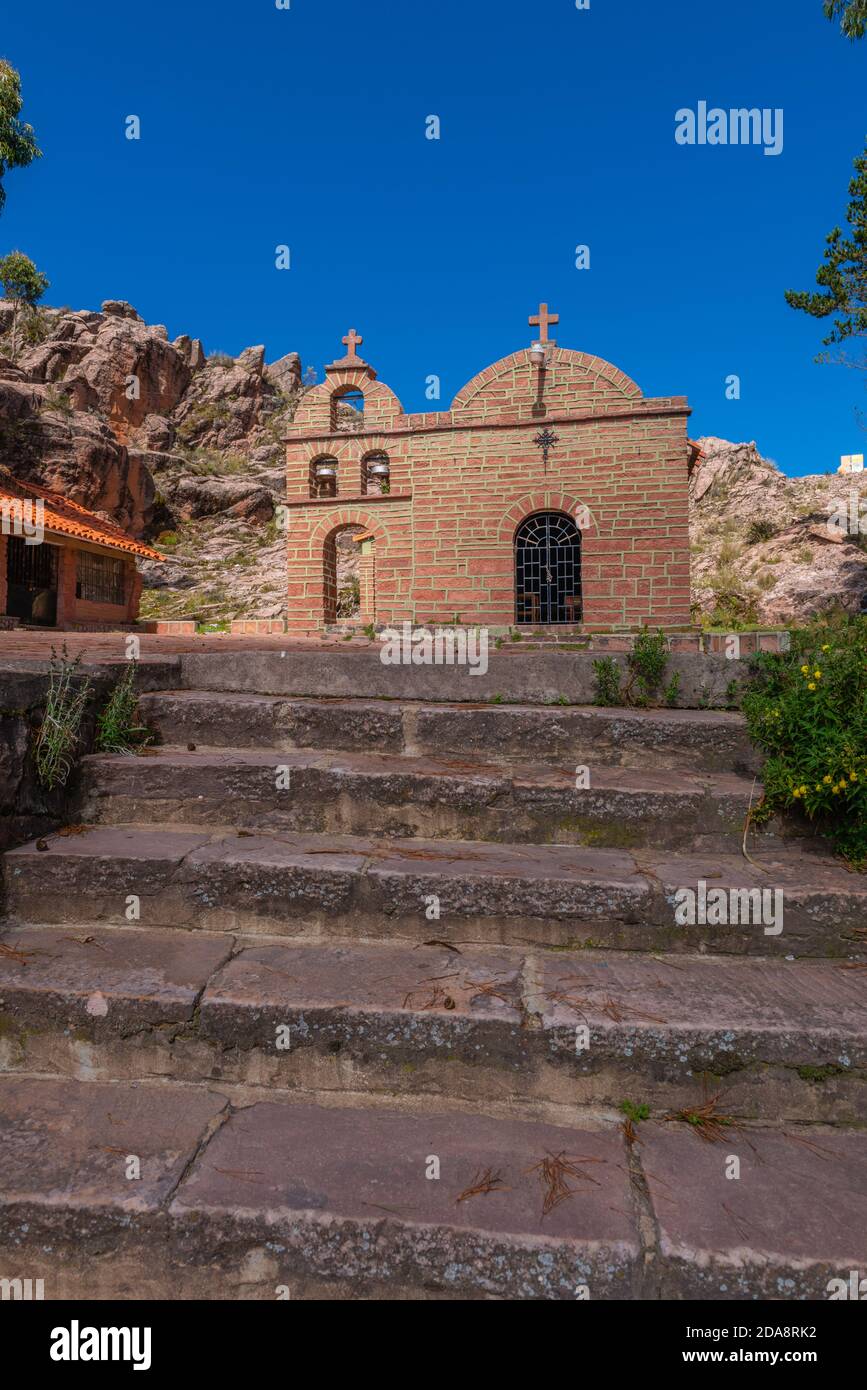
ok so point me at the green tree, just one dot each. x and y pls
(23, 284)
(17, 141)
(853, 16)
(842, 277)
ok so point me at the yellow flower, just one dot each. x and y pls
(853, 776)
(827, 779)
(805, 670)
(835, 791)
(796, 792)
(818, 675)
(811, 685)
(818, 786)
(826, 648)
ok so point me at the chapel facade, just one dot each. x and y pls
(551, 494)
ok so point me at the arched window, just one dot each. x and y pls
(376, 473)
(548, 569)
(347, 411)
(323, 476)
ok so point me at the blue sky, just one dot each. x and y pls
(306, 127)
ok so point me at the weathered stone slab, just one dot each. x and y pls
(703, 1013)
(220, 719)
(387, 794)
(89, 876)
(404, 1003)
(698, 740)
(774, 1038)
(345, 1192)
(520, 677)
(64, 1147)
(100, 983)
(341, 885)
(795, 1218)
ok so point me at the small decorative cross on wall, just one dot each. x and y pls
(352, 340)
(545, 440)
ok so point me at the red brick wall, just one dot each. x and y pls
(75, 610)
(462, 481)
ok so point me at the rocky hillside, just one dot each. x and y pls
(770, 549)
(184, 450)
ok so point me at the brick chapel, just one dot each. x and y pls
(552, 493)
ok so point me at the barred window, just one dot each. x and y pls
(99, 578)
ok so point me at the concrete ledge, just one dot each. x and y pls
(514, 677)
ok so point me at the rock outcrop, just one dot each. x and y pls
(772, 549)
(181, 449)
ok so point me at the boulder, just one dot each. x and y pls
(118, 308)
(285, 373)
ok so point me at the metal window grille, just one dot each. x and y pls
(34, 566)
(548, 570)
(99, 578)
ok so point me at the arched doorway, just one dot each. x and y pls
(342, 588)
(548, 570)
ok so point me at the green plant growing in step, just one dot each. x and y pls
(59, 737)
(496, 699)
(647, 662)
(116, 729)
(672, 691)
(606, 675)
(634, 1111)
(369, 631)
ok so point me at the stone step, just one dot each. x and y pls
(130, 1190)
(539, 1033)
(438, 798)
(697, 740)
(516, 676)
(317, 886)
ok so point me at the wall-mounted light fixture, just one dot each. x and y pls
(538, 355)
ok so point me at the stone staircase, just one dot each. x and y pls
(341, 997)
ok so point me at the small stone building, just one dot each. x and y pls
(552, 493)
(63, 566)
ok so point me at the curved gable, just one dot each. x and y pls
(573, 381)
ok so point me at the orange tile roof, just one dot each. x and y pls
(63, 517)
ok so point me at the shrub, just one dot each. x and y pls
(59, 737)
(760, 531)
(607, 677)
(116, 729)
(647, 662)
(646, 665)
(807, 711)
